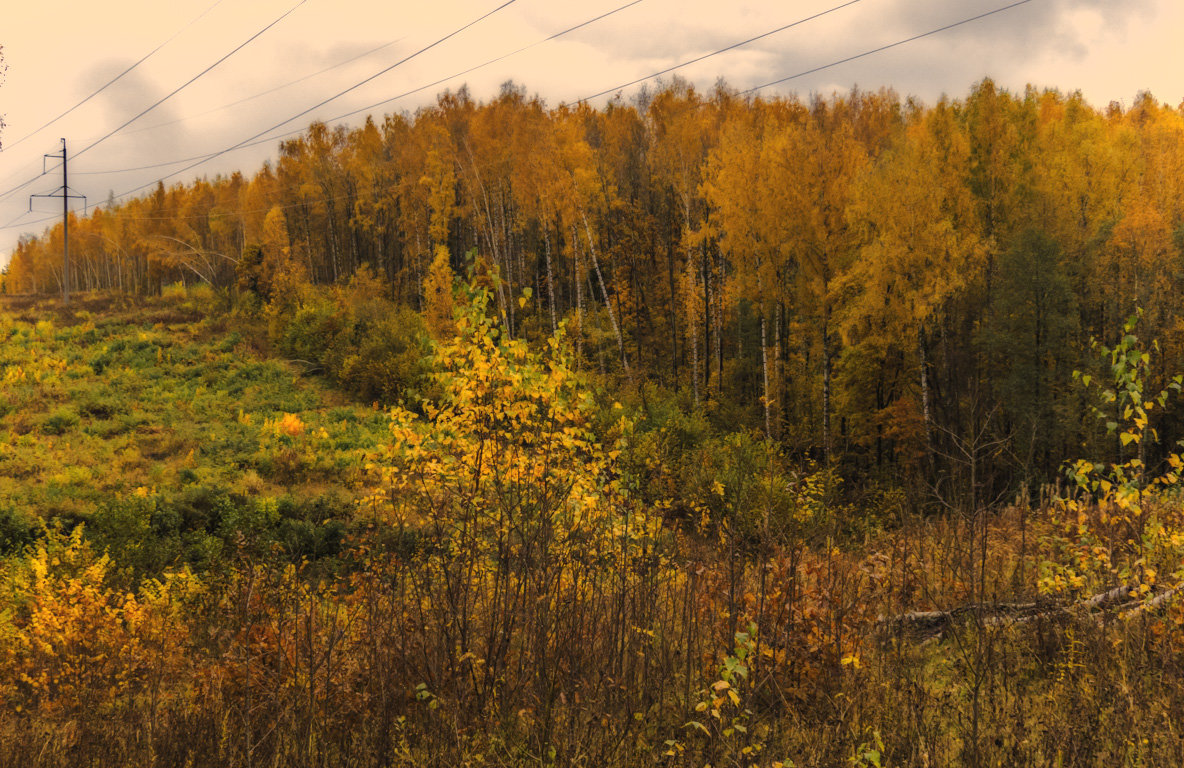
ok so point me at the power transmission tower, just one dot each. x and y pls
(66, 194)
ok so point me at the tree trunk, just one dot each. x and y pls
(923, 364)
(607, 302)
(778, 365)
(705, 270)
(765, 377)
(693, 327)
(579, 283)
(719, 333)
(826, 384)
(550, 277)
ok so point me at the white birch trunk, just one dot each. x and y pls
(607, 302)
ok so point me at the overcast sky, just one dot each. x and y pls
(1108, 49)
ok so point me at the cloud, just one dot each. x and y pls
(1002, 45)
(131, 95)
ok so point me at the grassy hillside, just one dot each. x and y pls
(109, 414)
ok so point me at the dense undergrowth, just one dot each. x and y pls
(211, 557)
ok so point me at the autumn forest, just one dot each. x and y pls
(696, 429)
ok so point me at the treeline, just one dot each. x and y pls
(876, 283)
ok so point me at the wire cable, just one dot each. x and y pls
(883, 48)
(338, 65)
(733, 46)
(855, 57)
(207, 156)
(189, 82)
(393, 98)
(322, 103)
(487, 63)
(111, 171)
(453, 76)
(117, 78)
(13, 225)
(8, 192)
(250, 142)
(4, 195)
(192, 217)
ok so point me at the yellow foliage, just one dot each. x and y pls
(511, 434)
(71, 642)
(438, 302)
(290, 425)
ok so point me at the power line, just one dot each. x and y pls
(723, 50)
(118, 77)
(111, 171)
(338, 65)
(322, 103)
(8, 192)
(211, 155)
(251, 141)
(190, 81)
(886, 47)
(13, 225)
(18, 187)
(206, 156)
(453, 76)
(193, 217)
(211, 213)
(491, 61)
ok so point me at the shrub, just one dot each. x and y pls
(17, 531)
(60, 421)
(100, 407)
(384, 360)
(74, 645)
(311, 331)
(372, 348)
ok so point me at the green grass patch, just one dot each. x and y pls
(164, 437)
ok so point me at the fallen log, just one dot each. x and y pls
(1157, 603)
(926, 624)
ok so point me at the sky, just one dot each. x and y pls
(315, 49)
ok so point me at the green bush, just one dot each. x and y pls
(123, 529)
(198, 524)
(385, 359)
(100, 407)
(60, 421)
(309, 334)
(17, 531)
(371, 348)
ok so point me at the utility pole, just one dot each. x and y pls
(65, 193)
